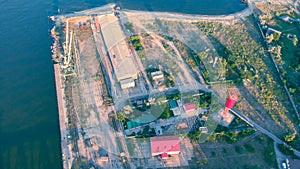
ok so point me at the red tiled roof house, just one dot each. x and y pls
(190, 107)
(164, 145)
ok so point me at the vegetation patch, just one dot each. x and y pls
(136, 42)
(285, 149)
(250, 68)
(257, 152)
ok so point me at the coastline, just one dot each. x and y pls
(62, 110)
(166, 15)
(62, 115)
(175, 16)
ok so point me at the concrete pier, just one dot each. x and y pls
(62, 111)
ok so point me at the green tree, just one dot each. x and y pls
(132, 134)
(121, 117)
(292, 90)
(167, 113)
(152, 131)
(146, 130)
(194, 135)
(287, 150)
(238, 149)
(249, 148)
(276, 36)
(136, 42)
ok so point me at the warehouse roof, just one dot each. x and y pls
(116, 43)
(125, 69)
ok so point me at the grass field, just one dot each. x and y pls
(288, 59)
(256, 151)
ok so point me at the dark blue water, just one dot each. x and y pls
(29, 130)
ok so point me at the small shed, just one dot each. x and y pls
(173, 104)
(157, 75)
(127, 83)
(285, 18)
(203, 129)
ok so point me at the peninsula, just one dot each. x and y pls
(160, 90)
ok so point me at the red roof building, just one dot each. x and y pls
(165, 145)
(231, 101)
(189, 107)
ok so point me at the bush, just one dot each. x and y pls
(249, 148)
(136, 42)
(238, 149)
(132, 134)
(270, 157)
(247, 132)
(287, 150)
(231, 137)
(276, 36)
(122, 118)
(194, 135)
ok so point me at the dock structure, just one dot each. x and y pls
(62, 112)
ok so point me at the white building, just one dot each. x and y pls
(127, 83)
(157, 75)
(120, 55)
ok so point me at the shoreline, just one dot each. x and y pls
(62, 116)
(62, 110)
(191, 17)
(186, 16)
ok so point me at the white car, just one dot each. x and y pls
(284, 165)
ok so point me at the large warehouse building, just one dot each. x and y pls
(122, 60)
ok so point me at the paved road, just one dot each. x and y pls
(280, 157)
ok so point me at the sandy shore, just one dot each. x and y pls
(191, 17)
(166, 15)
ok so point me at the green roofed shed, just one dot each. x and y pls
(173, 104)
